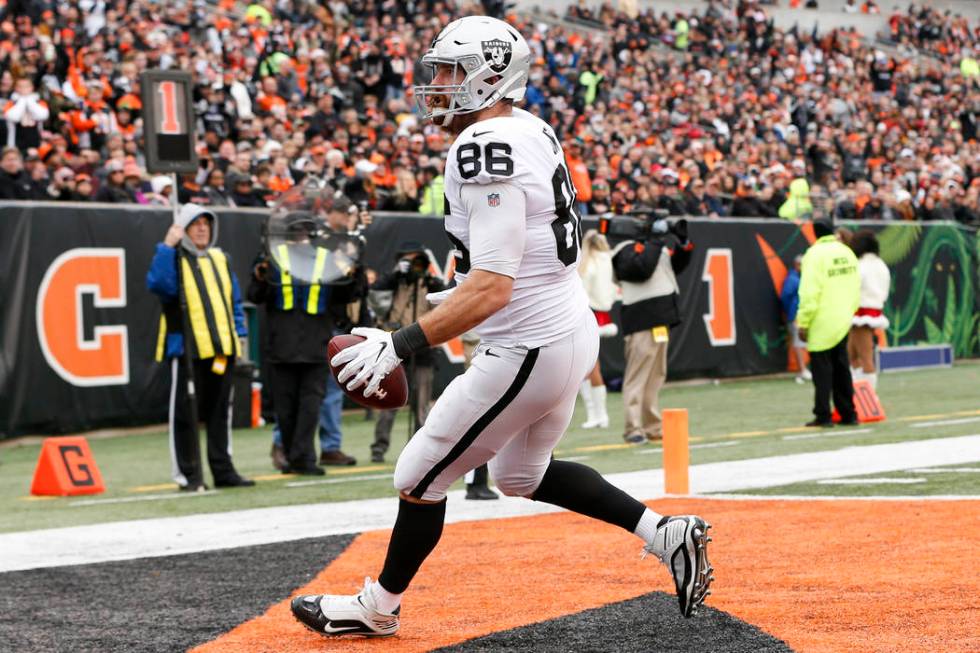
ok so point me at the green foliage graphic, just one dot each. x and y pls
(768, 345)
(952, 321)
(897, 241)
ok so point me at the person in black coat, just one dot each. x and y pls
(113, 190)
(241, 191)
(302, 318)
(15, 183)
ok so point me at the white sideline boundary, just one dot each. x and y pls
(945, 422)
(797, 497)
(871, 481)
(212, 531)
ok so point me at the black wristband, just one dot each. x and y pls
(409, 340)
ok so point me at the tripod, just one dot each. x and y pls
(414, 423)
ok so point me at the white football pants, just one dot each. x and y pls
(510, 408)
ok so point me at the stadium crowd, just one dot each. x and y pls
(718, 113)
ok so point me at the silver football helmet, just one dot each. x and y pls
(493, 57)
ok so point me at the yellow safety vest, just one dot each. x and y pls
(286, 278)
(210, 309)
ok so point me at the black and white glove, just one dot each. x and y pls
(367, 362)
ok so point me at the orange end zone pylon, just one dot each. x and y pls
(676, 453)
(66, 467)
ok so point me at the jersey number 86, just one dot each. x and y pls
(567, 227)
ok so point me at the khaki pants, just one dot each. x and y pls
(646, 371)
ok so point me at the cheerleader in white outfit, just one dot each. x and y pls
(596, 271)
(875, 285)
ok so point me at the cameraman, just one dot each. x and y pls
(645, 267)
(302, 317)
(409, 282)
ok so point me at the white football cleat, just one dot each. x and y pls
(337, 615)
(682, 544)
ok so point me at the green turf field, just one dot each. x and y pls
(729, 421)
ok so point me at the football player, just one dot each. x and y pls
(510, 214)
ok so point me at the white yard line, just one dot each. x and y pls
(828, 497)
(824, 433)
(712, 445)
(177, 535)
(871, 481)
(648, 450)
(946, 470)
(944, 422)
(145, 497)
(346, 479)
(839, 463)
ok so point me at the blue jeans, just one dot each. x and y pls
(330, 414)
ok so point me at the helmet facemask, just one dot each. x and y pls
(481, 87)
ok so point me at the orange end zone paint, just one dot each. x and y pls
(824, 576)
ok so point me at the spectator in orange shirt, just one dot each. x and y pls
(282, 178)
(269, 101)
(580, 175)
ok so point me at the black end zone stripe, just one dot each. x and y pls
(479, 425)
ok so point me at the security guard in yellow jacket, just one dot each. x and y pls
(830, 289)
(302, 316)
(215, 320)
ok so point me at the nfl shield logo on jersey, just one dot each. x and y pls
(493, 199)
(497, 53)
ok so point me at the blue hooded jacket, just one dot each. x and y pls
(161, 280)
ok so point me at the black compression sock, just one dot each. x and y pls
(581, 489)
(417, 531)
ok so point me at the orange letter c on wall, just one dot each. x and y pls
(104, 358)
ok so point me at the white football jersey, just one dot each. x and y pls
(548, 300)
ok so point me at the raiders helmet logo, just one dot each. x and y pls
(497, 54)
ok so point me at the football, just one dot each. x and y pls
(393, 392)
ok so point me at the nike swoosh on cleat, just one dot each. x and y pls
(336, 631)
